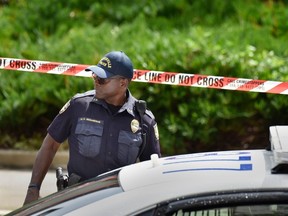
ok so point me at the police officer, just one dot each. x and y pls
(104, 127)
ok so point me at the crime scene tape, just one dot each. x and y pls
(150, 76)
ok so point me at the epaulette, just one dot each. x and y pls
(85, 94)
(149, 113)
(77, 96)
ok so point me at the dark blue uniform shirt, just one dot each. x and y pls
(99, 140)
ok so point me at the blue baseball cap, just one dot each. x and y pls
(112, 64)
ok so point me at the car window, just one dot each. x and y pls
(249, 210)
(228, 203)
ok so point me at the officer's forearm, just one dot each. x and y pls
(43, 160)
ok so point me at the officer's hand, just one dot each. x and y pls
(32, 195)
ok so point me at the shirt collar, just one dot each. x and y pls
(128, 105)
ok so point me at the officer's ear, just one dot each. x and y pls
(124, 83)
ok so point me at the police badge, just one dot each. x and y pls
(134, 125)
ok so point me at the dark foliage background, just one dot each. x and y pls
(239, 38)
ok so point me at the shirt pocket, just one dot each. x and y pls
(129, 146)
(89, 137)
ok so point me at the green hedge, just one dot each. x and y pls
(239, 38)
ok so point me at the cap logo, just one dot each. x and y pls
(105, 62)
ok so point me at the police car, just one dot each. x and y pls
(244, 182)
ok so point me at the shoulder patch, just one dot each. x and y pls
(156, 132)
(65, 107)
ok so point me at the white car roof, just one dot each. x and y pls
(235, 167)
(226, 169)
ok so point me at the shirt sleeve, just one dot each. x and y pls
(60, 127)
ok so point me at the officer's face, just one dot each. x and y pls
(109, 89)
